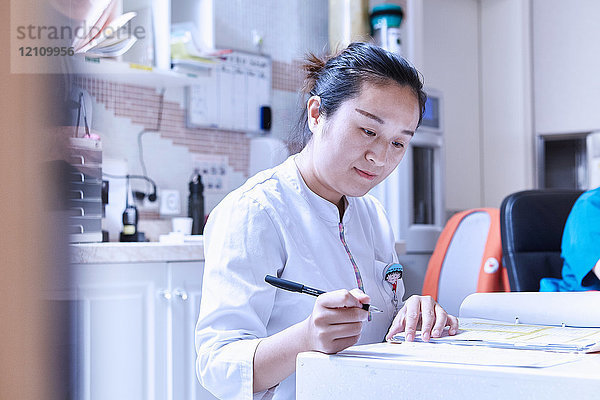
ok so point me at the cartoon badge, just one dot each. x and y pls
(392, 274)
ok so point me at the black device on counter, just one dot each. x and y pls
(130, 232)
(196, 204)
(130, 221)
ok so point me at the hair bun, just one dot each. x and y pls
(313, 66)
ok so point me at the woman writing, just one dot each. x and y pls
(309, 220)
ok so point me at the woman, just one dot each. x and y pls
(309, 220)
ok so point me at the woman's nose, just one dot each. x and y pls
(376, 156)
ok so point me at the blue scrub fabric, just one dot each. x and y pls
(580, 247)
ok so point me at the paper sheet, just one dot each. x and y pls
(482, 332)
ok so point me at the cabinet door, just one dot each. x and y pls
(186, 287)
(120, 320)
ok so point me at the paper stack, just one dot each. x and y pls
(491, 333)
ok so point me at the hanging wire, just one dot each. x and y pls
(144, 131)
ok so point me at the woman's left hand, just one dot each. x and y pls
(426, 311)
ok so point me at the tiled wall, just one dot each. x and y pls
(141, 105)
(287, 76)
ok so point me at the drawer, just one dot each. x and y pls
(86, 174)
(88, 191)
(85, 157)
(83, 208)
(84, 225)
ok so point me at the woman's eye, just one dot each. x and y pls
(368, 132)
(398, 144)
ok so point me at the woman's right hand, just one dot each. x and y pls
(336, 320)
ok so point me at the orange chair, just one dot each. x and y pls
(467, 258)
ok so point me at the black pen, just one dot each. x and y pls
(300, 288)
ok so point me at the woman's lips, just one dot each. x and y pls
(365, 174)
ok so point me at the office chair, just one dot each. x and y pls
(466, 259)
(531, 227)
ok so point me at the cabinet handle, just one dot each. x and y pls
(80, 175)
(80, 158)
(182, 294)
(80, 227)
(166, 294)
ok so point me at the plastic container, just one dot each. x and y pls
(385, 26)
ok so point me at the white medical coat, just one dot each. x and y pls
(274, 224)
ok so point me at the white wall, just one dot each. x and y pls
(451, 64)
(477, 52)
(566, 54)
(506, 99)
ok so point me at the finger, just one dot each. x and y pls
(340, 331)
(428, 316)
(413, 308)
(397, 325)
(338, 299)
(360, 296)
(452, 321)
(331, 316)
(441, 319)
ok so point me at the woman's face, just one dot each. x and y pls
(362, 142)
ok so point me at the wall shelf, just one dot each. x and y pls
(135, 74)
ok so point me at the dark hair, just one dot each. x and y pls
(338, 78)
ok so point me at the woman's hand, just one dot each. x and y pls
(336, 320)
(334, 324)
(427, 312)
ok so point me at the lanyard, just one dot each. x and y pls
(359, 280)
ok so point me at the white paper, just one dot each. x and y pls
(202, 102)
(226, 94)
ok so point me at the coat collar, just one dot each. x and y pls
(326, 210)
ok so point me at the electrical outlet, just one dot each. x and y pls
(170, 202)
(214, 170)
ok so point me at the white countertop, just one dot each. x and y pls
(118, 252)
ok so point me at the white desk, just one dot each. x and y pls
(398, 372)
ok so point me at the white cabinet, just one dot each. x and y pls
(119, 322)
(133, 330)
(186, 284)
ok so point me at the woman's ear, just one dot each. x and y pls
(314, 116)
